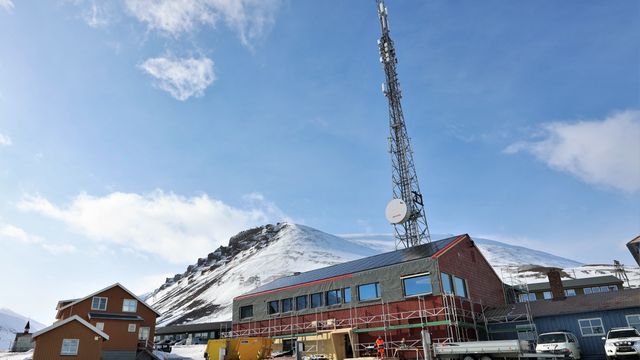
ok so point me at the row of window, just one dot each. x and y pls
(413, 285)
(594, 327)
(100, 303)
(548, 295)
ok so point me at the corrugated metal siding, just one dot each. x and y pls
(592, 346)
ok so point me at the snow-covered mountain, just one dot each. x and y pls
(11, 323)
(254, 257)
(205, 291)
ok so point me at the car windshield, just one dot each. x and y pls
(551, 338)
(622, 334)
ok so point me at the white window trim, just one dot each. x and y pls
(140, 332)
(77, 341)
(106, 302)
(601, 323)
(629, 315)
(131, 328)
(129, 311)
(100, 326)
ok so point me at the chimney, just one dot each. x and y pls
(555, 282)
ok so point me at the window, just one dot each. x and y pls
(447, 285)
(132, 328)
(547, 295)
(246, 311)
(70, 346)
(129, 305)
(100, 326)
(143, 334)
(417, 285)
(634, 321)
(587, 291)
(613, 287)
(570, 292)
(333, 297)
(528, 297)
(301, 302)
(99, 303)
(316, 300)
(369, 291)
(591, 327)
(346, 295)
(272, 307)
(287, 305)
(460, 286)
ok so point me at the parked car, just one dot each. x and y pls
(560, 342)
(622, 343)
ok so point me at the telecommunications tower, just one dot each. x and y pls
(406, 210)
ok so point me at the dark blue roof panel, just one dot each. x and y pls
(354, 266)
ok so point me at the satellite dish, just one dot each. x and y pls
(397, 211)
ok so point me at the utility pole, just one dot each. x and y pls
(406, 210)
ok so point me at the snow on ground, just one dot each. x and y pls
(16, 356)
(12, 322)
(182, 352)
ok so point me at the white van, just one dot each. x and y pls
(560, 342)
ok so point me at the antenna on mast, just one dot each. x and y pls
(406, 210)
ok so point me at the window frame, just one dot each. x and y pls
(378, 293)
(100, 326)
(306, 302)
(282, 310)
(637, 326)
(67, 353)
(338, 297)
(270, 310)
(311, 300)
(570, 292)
(140, 329)
(132, 328)
(547, 293)
(448, 281)
(414, 276)
(344, 295)
(604, 332)
(106, 302)
(135, 307)
(246, 307)
(464, 287)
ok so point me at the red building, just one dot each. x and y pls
(441, 287)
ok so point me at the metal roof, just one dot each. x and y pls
(190, 328)
(354, 266)
(576, 283)
(613, 300)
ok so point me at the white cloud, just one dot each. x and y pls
(603, 152)
(177, 228)
(96, 15)
(249, 18)
(5, 140)
(7, 4)
(10, 232)
(182, 78)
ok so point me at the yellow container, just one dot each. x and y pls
(247, 348)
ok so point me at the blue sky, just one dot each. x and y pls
(138, 135)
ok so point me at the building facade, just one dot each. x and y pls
(23, 341)
(71, 338)
(192, 333)
(440, 287)
(573, 287)
(127, 320)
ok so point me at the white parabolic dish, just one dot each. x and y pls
(397, 211)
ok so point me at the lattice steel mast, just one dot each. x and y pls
(414, 230)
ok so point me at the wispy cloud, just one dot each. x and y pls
(181, 77)
(603, 152)
(173, 227)
(96, 15)
(7, 5)
(5, 140)
(249, 18)
(11, 233)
